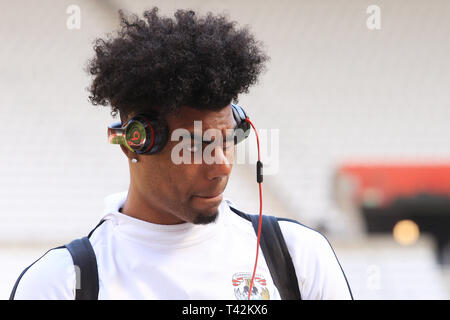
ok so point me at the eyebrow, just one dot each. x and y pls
(226, 139)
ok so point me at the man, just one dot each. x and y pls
(172, 235)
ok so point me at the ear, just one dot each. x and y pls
(128, 153)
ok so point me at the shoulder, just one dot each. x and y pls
(50, 277)
(303, 242)
(317, 266)
(295, 233)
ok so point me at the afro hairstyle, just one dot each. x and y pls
(160, 64)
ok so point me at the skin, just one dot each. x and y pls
(163, 192)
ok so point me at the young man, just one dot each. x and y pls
(172, 235)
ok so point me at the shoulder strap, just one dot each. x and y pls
(276, 255)
(86, 272)
(85, 264)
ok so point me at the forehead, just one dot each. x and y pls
(221, 119)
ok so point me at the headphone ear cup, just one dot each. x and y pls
(242, 130)
(161, 135)
(116, 133)
(145, 134)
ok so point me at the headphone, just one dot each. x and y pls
(147, 134)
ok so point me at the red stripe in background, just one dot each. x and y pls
(396, 179)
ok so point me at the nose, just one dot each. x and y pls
(221, 166)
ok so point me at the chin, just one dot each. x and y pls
(204, 210)
(205, 218)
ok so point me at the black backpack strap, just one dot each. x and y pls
(276, 255)
(86, 272)
(85, 264)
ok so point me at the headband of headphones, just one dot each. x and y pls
(148, 134)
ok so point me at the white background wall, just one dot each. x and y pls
(336, 90)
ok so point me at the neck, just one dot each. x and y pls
(137, 206)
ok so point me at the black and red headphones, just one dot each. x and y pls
(147, 134)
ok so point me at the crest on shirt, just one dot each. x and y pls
(241, 283)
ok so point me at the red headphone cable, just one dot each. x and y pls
(259, 179)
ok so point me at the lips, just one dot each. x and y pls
(207, 200)
(209, 196)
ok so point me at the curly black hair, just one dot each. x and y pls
(162, 64)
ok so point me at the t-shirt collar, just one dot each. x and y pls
(183, 234)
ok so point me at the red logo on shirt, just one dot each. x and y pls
(241, 283)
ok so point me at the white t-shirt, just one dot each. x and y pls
(141, 260)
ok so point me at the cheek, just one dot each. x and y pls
(148, 176)
(178, 179)
(230, 153)
(184, 177)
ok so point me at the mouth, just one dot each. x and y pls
(210, 198)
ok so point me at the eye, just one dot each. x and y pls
(228, 144)
(193, 148)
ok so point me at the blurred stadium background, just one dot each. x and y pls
(363, 118)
